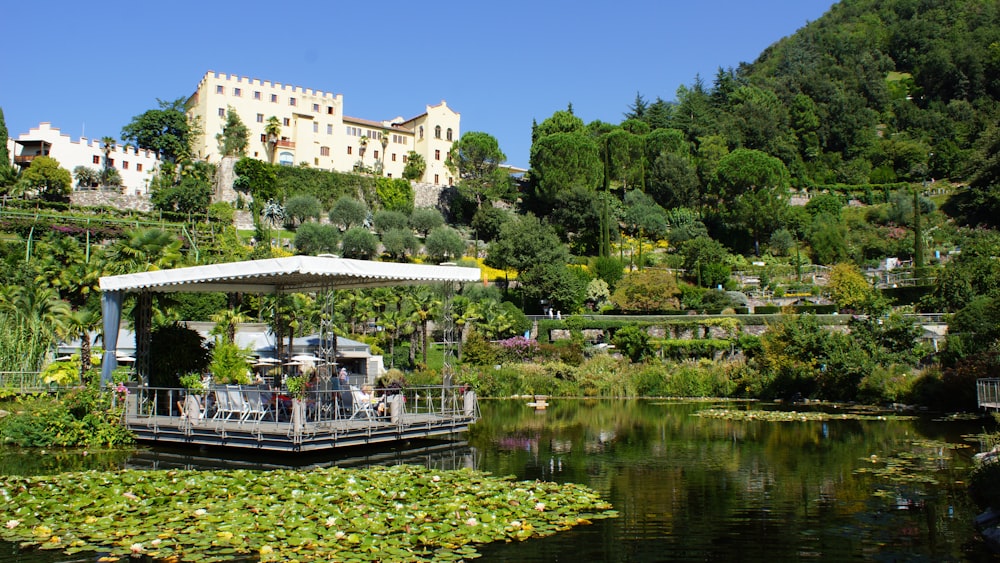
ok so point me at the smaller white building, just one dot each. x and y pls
(135, 166)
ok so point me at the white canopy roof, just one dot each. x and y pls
(291, 274)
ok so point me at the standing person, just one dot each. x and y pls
(346, 396)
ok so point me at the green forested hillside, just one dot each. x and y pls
(890, 89)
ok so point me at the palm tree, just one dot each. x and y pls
(109, 145)
(144, 250)
(272, 133)
(385, 144)
(226, 321)
(362, 146)
(425, 306)
(37, 303)
(79, 324)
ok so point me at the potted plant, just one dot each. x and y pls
(297, 386)
(192, 405)
(229, 364)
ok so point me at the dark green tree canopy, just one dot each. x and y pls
(444, 244)
(301, 208)
(476, 159)
(348, 212)
(45, 177)
(165, 130)
(562, 161)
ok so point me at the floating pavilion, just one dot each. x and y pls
(156, 414)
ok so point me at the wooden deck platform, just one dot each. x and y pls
(427, 412)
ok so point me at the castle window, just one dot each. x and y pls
(421, 132)
(220, 89)
(316, 108)
(348, 150)
(324, 151)
(291, 101)
(237, 92)
(256, 94)
(274, 98)
(260, 118)
(286, 122)
(222, 112)
(329, 110)
(394, 157)
(449, 134)
(376, 155)
(437, 131)
(138, 167)
(437, 154)
(97, 159)
(124, 165)
(315, 127)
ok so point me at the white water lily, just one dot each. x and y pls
(339, 535)
(330, 521)
(11, 524)
(137, 548)
(540, 506)
(436, 478)
(516, 524)
(471, 522)
(200, 512)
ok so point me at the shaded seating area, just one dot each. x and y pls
(327, 417)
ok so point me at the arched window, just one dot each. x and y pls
(437, 131)
(448, 134)
(421, 131)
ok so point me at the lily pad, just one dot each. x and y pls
(316, 515)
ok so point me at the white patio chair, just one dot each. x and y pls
(223, 410)
(256, 409)
(237, 403)
(362, 405)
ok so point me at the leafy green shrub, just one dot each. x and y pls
(632, 341)
(886, 384)
(229, 364)
(605, 376)
(83, 417)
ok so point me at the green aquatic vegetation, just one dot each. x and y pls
(400, 513)
(922, 462)
(794, 416)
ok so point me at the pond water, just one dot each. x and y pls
(687, 488)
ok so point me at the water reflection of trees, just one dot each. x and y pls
(668, 471)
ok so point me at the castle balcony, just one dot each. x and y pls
(24, 160)
(286, 144)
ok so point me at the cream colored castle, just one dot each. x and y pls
(314, 130)
(135, 166)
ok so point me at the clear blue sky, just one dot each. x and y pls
(90, 67)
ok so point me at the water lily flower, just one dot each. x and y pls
(266, 550)
(540, 506)
(330, 521)
(471, 522)
(339, 535)
(155, 542)
(515, 524)
(200, 512)
(130, 495)
(436, 478)
(137, 548)
(11, 524)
